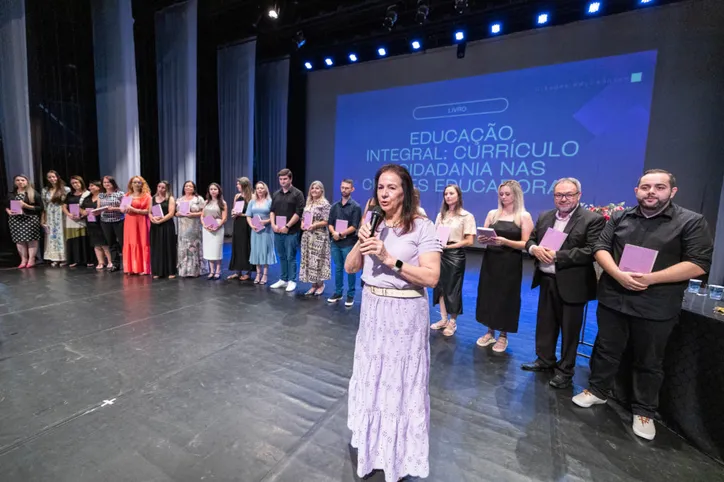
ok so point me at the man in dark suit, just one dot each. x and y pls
(567, 280)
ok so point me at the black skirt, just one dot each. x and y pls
(450, 286)
(241, 246)
(501, 274)
(95, 234)
(164, 251)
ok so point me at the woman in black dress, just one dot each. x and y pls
(241, 241)
(93, 225)
(25, 224)
(77, 247)
(498, 305)
(164, 253)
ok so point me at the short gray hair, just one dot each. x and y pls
(572, 180)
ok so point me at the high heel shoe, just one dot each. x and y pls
(263, 280)
(22, 265)
(217, 276)
(210, 276)
(319, 291)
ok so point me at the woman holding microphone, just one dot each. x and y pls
(389, 404)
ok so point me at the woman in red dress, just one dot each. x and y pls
(136, 241)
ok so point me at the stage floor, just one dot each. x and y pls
(105, 377)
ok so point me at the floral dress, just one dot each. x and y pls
(189, 240)
(316, 254)
(55, 222)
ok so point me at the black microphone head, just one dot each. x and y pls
(377, 215)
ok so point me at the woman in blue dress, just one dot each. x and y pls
(262, 237)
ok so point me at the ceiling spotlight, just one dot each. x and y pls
(328, 61)
(644, 2)
(542, 19)
(352, 58)
(594, 7)
(308, 65)
(496, 28)
(273, 12)
(460, 6)
(298, 39)
(423, 10)
(390, 17)
(459, 36)
(381, 52)
(415, 44)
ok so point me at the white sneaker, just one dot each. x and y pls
(587, 399)
(644, 427)
(291, 286)
(279, 284)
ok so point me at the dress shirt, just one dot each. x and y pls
(559, 225)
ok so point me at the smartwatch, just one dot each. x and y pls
(398, 266)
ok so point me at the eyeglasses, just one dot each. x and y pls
(566, 195)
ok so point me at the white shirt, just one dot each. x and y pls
(559, 225)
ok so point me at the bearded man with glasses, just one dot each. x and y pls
(567, 280)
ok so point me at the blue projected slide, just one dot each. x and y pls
(585, 119)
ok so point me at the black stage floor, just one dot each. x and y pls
(105, 377)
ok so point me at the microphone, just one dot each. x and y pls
(376, 218)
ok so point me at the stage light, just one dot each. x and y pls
(273, 12)
(459, 36)
(594, 7)
(352, 58)
(415, 45)
(390, 17)
(328, 61)
(381, 52)
(542, 19)
(423, 10)
(495, 28)
(460, 6)
(644, 2)
(308, 65)
(298, 40)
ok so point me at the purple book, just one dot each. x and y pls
(307, 219)
(210, 222)
(341, 225)
(239, 207)
(157, 211)
(488, 233)
(74, 209)
(184, 208)
(16, 207)
(443, 234)
(256, 222)
(91, 216)
(553, 239)
(281, 221)
(636, 259)
(126, 202)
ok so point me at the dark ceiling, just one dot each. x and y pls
(330, 26)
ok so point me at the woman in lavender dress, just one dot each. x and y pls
(389, 404)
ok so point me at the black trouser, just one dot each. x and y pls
(648, 339)
(113, 232)
(554, 317)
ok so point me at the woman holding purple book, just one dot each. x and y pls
(389, 403)
(213, 221)
(164, 255)
(24, 208)
(262, 237)
(77, 247)
(316, 250)
(189, 210)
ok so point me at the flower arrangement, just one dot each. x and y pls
(607, 210)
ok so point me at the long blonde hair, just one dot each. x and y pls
(322, 198)
(266, 190)
(518, 204)
(245, 188)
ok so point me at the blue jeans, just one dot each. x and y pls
(338, 257)
(286, 246)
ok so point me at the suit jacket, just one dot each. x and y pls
(575, 275)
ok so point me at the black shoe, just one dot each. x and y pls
(334, 298)
(349, 302)
(536, 366)
(560, 381)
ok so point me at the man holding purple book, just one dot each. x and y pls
(344, 220)
(639, 301)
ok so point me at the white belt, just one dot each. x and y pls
(396, 293)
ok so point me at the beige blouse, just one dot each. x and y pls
(460, 225)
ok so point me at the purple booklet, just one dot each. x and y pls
(636, 259)
(488, 233)
(306, 219)
(126, 202)
(74, 209)
(91, 216)
(157, 211)
(184, 208)
(239, 207)
(443, 234)
(210, 222)
(281, 221)
(16, 207)
(341, 225)
(553, 239)
(256, 222)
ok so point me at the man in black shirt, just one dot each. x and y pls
(643, 308)
(348, 210)
(288, 202)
